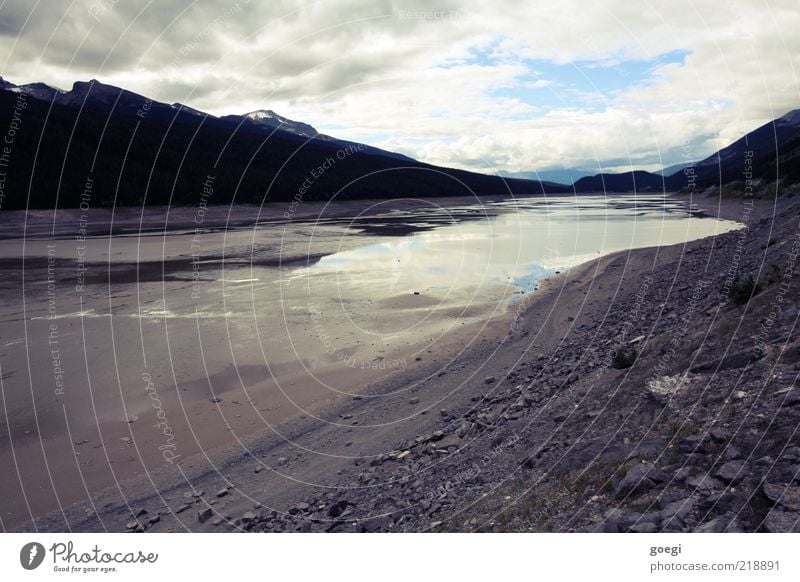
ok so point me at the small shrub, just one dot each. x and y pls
(623, 358)
(743, 289)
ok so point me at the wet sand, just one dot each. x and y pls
(154, 353)
(128, 355)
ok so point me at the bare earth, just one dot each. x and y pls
(516, 422)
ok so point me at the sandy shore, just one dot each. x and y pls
(322, 449)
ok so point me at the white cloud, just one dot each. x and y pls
(406, 69)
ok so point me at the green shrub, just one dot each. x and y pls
(743, 289)
(623, 358)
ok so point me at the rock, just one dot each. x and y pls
(674, 514)
(791, 454)
(637, 480)
(643, 527)
(140, 512)
(724, 523)
(375, 524)
(719, 435)
(302, 506)
(215, 399)
(693, 443)
(183, 507)
(338, 508)
(704, 483)
(153, 520)
(739, 395)
(781, 522)
(248, 517)
(731, 472)
(792, 397)
(205, 514)
(413, 401)
(785, 496)
(662, 388)
(305, 526)
(222, 492)
(489, 380)
(131, 525)
(444, 413)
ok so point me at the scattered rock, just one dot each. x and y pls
(731, 472)
(205, 514)
(338, 508)
(792, 397)
(643, 528)
(781, 522)
(637, 480)
(704, 483)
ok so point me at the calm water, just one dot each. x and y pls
(516, 243)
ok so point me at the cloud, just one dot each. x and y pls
(452, 83)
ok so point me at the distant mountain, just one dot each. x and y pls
(770, 152)
(636, 181)
(563, 176)
(272, 120)
(139, 151)
(674, 169)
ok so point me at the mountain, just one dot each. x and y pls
(563, 176)
(674, 169)
(770, 152)
(272, 120)
(636, 181)
(766, 154)
(135, 150)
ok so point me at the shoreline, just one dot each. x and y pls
(459, 386)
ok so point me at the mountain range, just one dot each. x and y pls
(136, 150)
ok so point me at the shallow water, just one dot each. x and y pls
(235, 331)
(517, 243)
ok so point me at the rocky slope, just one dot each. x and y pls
(699, 434)
(644, 391)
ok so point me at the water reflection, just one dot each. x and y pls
(517, 244)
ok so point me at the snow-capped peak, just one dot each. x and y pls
(269, 118)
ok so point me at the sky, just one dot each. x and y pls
(502, 86)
